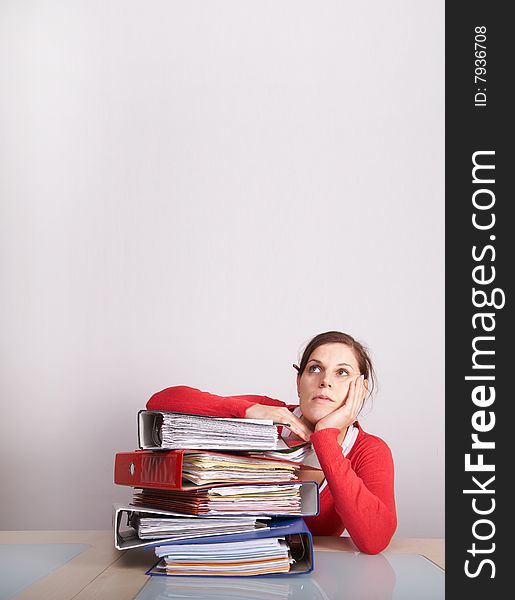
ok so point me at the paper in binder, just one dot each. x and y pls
(187, 469)
(134, 527)
(158, 430)
(285, 548)
(298, 498)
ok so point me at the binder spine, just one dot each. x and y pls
(159, 470)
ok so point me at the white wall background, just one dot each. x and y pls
(189, 192)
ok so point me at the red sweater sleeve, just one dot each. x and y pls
(182, 398)
(364, 495)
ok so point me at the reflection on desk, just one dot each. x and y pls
(23, 564)
(100, 571)
(336, 576)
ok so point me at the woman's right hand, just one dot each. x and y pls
(280, 415)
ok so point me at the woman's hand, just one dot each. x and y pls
(280, 414)
(346, 415)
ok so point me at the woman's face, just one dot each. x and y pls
(324, 384)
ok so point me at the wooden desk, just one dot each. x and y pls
(102, 572)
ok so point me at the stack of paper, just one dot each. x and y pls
(205, 468)
(254, 499)
(166, 429)
(296, 453)
(215, 496)
(179, 528)
(247, 557)
(284, 547)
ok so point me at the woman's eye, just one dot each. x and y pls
(342, 372)
(313, 367)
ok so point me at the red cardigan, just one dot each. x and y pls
(359, 496)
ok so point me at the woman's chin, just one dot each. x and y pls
(314, 416)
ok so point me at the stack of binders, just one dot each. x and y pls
(210, 501)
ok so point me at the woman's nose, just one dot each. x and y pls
(325, 382)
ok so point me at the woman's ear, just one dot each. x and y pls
(365, 385)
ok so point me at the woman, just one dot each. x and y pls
(357, 485)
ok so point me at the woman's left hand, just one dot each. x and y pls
(346, 415)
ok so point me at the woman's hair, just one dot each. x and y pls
(337, 337)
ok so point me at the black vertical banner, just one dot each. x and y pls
(478, 330)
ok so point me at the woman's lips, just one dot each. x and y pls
(322, 398)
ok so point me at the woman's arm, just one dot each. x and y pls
(364, 497)
(182, 398)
